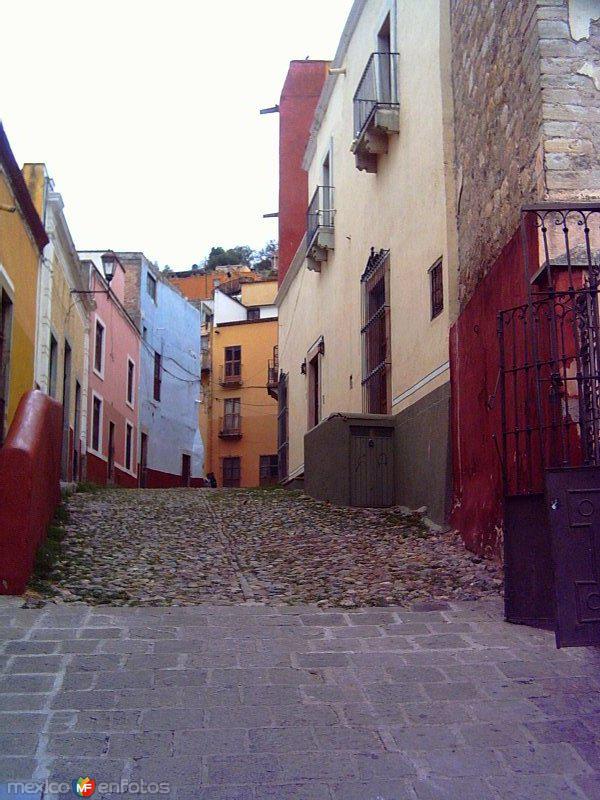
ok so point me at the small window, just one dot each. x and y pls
(128, 445)
(99, 348)
(157, 375)
(269, 470)
(151, 285)
(437, 289)
(52, 366)
(130, 381)
(253, 314)
(231, 471)
(97, 424)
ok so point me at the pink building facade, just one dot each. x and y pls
(114, 362)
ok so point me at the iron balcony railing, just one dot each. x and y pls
(320, 212)
(231, 374)
(273, 370)
(230, 425)
(205, 360)
(377, 88)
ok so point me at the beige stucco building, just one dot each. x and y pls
(62, 350)
(365, 308)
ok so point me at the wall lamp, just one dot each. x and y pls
(10, 209)
(109, 260)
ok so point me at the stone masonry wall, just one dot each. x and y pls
(526, 81)
(569, 46)
(498, 117)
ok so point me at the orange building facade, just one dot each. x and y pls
(238, 419)
(199, 285)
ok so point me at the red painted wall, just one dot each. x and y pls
(155, 479)
(474, 364)
(29, 486)
(297, 104)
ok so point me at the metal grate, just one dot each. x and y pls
(436, 279)
(550, 350)
(375, 333)
(320, 213)
(377, 88)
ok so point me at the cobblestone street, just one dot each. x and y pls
(227, 546)
(237, 695)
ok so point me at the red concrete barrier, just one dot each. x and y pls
(29, 486)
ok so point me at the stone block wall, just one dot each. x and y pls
(569, 44)
(498, 117)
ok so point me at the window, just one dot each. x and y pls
(233, 362)
(436, 279)
(97, 424)
(157, 375)
(151, 285)
(253, 314)
(376, 334)
(128, 445)
(5, 342)
(231, 414)
(52, 366)
(99, 349)
(130, 381)
(231, 471)
(269, 470)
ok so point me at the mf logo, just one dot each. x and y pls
(84, 787)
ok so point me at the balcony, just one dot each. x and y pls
(205, 360)
(273, 375)
(231, 375)
(376, 110)
(230, 426)
(319, 227)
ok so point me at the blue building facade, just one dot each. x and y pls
(171, 448)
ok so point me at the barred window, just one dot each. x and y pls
(375, 333)
(437, 289)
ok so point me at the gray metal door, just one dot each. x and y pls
(371, 467)
(573, 497)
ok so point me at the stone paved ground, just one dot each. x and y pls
(203, 658)
(227, 546)
(250, 702)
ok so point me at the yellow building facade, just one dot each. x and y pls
(62, 353)
(22, 241)
(238, 419)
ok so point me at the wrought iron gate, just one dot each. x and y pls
(550, 390)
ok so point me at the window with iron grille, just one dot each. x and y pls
(99, 348)
(282, 425)
(231, 471)
(376, 334)
(436, 280)
(5, 339)
(151, 285)
(157, 375)
(268, 469)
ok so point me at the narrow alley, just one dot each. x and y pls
(195, 660)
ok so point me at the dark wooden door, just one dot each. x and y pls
(573, 498)
(111, 452)
(371, 467)
(186, 469)
(144, 460)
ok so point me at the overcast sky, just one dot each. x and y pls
(146, 113)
